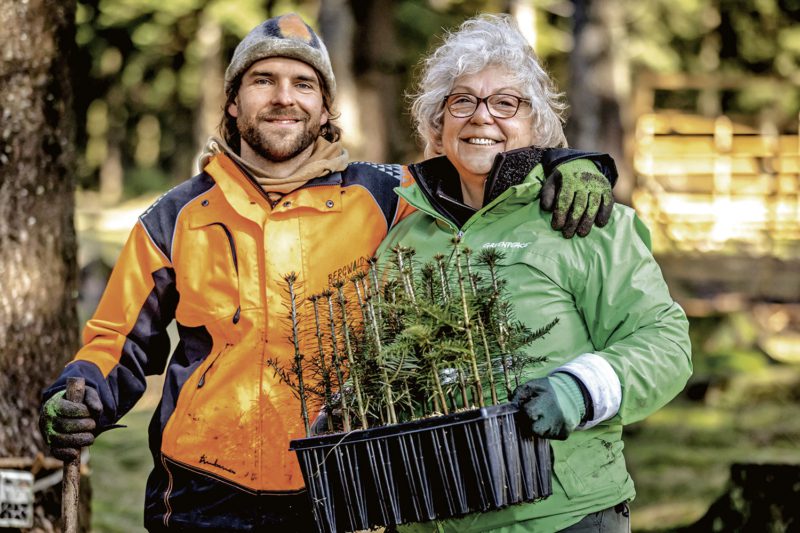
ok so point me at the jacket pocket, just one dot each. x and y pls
(213, 429)
(207, 275)
(192, 388)
(590, 465)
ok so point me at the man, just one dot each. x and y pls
(276, 196)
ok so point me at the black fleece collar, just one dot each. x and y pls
(440, 183)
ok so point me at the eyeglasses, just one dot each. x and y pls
(463, 105)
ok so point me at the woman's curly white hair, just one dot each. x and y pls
(480, 42)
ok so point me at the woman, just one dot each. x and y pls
(620, 349)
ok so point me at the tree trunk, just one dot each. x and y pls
(212, 96)
(38, 323)
(524, 13)
(337, 29)
(600, 86)
(759, 497)
(378, 72)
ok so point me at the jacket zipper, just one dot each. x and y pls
(272, 205)
(167, 493)
(202, 381)
(237, 314)
(427, 208)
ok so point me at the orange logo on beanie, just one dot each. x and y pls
(293, 26)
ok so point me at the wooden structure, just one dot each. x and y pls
(722, 200)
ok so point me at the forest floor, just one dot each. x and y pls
(679, 457)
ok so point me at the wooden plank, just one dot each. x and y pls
(709, 164)
(741, 145)
(736, 185)
(711, 275)
(683, 81)
(710, 185)
(673, 122)
(34, 464)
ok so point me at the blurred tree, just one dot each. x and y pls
(722, 39)
(149, 69)
(377, 70)
(718, 46)
(211, 67)
(38, 322)
(337, 29)
(600, 84)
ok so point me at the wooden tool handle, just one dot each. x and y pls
(76, 387)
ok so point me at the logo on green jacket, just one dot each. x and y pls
(505, 245)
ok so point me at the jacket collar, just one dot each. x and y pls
(439, 181)
(248, 199)
(238, 188)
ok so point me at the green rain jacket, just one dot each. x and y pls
(619, 331)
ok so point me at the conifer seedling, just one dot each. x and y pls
(403, 341)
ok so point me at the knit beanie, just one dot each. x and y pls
(284, 36)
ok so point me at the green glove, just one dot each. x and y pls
(583, 197)
(555, 405)
(68, 426)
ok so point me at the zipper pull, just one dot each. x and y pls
(455, 241)
(202, 380)
(237, 315)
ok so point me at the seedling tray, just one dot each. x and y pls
(438, 467)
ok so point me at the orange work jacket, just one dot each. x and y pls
(212, 253)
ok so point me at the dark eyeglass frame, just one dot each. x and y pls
(485, 101)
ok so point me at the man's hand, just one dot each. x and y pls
(68, 426)
(554, 405)
(579, 196)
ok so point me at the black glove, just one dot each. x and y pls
(555, 405)
(68, 426)
(579, 196)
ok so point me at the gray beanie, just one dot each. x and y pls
(284, 36)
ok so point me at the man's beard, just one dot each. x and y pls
(272, 147)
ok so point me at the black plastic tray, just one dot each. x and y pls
(439, 467)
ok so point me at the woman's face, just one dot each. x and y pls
(471, 143)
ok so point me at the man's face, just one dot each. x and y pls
(279, 109)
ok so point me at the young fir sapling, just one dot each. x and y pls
(404, 343)
(324, 367)
(473, 283)
(336, 362)
(297, 368)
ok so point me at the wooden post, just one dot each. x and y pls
(72, 469)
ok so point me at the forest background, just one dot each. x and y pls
(106, 103)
